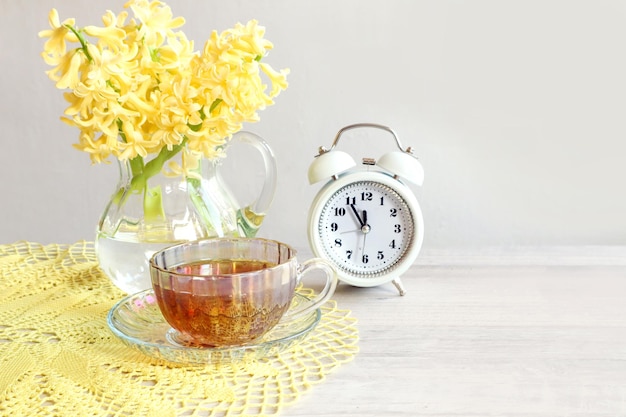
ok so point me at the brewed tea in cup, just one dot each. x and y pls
(231, 291)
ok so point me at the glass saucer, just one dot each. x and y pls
(138, 322)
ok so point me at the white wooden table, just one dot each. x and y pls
(531, 333)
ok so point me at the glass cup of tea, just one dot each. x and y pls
(231, 291)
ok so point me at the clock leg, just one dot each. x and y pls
(399, 286)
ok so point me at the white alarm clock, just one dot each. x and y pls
(366, 222)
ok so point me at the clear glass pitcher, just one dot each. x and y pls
(169, 209)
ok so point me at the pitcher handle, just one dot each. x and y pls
(250, 218)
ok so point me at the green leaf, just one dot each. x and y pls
(195, 128)
(117, 90)
(154, 54)
(215, 104)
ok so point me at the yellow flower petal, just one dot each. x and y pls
(70, 70)
(142, 75)
(278, 79)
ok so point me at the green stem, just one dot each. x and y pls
(141, 172)
(136, 166)
(155, 166)
(82, 40)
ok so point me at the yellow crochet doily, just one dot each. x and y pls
(59, 358)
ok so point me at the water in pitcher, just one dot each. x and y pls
(125, 261)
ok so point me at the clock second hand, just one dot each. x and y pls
(360, 226)
(365, 228)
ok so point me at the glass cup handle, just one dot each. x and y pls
(264, 200)
(329, 287)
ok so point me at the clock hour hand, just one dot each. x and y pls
(365, 228)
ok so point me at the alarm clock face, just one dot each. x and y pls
(365, 228)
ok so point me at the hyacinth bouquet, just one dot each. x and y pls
(139, 92)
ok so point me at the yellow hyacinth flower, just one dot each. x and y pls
(135, 85)
(58, 34)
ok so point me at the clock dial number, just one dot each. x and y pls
(365, 228)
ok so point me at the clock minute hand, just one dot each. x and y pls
(361, 222)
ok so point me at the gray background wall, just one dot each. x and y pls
(515, 108)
